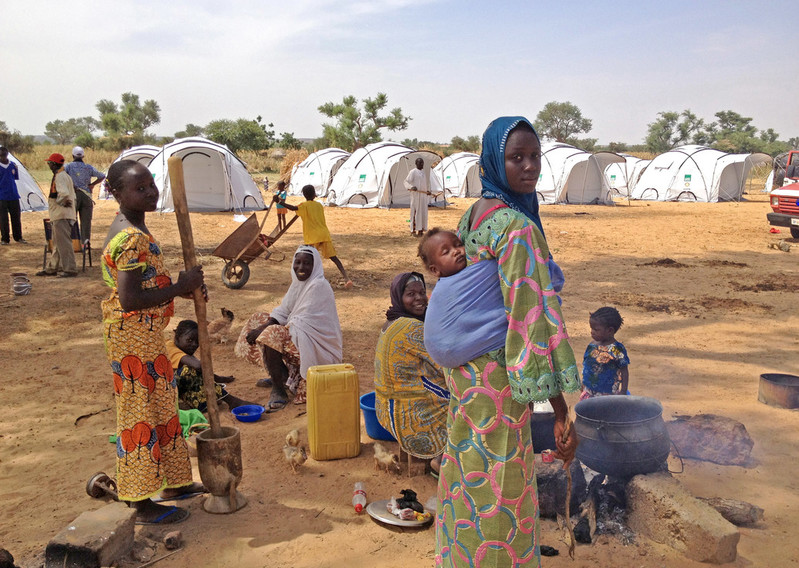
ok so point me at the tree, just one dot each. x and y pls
(617, 147)
(67, 131)
(13, 140)
(470, 144)
(668, 131)
(561, 121)
(354, 127)
(131, 118)
(288, 142)
(190, 130)
(241, 134)
(793, 142)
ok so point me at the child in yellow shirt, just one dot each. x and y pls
(314, 228)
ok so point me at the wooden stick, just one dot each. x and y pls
(567, 467)
(177, 182)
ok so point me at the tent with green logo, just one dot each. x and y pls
(317, 170)
(696, 173)
(460, 175)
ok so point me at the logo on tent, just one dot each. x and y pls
(687, 180)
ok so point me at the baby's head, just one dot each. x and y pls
(605, 322)
(187, 337)
(442, 252)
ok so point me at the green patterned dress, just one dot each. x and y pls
(488, 505)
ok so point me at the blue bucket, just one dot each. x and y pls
(373, 428)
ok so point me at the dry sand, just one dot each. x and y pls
(699, 333)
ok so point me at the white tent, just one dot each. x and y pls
(622, 176)
(317, 170)
(216, 179)
(31, 197)
(572, 175)
(143, 154)
(373, 176)
(460, 175)
(696, 173)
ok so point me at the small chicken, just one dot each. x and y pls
(220, 327)
(294, 453)
(385, 458)
(296, 456)
(293, 438)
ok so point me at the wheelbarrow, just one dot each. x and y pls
(244, 245)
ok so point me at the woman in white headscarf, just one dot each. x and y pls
(301, 332)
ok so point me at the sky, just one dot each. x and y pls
(452, 66)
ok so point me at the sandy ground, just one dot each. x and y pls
(699, 333)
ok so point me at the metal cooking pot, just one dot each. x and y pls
(621, 436)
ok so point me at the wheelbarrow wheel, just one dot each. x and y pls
(235, 275)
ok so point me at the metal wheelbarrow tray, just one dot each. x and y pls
(244, 245)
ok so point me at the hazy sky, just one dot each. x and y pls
(451, 66)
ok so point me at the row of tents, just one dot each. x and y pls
(372, 176)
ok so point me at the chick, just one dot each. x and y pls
(294, 453)
(293, 438)
(219, 328)
(385, 458)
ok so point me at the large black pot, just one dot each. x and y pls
(621, 436)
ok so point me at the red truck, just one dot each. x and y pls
(785, 199)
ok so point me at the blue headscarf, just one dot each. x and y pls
(492, 169)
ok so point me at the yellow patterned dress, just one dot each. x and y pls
(151, 452)
(411, 397)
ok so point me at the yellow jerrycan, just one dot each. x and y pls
(334, 421)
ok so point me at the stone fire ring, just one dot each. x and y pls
(778, 389)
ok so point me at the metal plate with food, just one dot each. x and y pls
(378, 511)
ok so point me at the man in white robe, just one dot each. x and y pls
(418, 184)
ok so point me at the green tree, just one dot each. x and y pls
(617, 147)
(668, 131)
(131, 118)
(289, 142)
(793, 142)
(561, 121)
(66, 131)
(241, 134)
(190, 130)
(14, 140)
(469, 144)
(735, 133)
(355, 127)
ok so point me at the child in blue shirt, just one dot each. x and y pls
(605, 361)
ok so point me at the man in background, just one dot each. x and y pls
(61, 203)
(82, 174)
(9, 200)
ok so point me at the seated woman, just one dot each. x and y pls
(301, 332)
(189, 372)
(411, 397)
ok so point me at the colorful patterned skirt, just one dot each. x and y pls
(151, 452)
(488, 504)
(277, 337)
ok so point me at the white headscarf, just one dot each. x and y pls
(309, 311)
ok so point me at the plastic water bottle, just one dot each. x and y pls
(359, 497)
